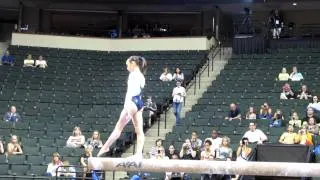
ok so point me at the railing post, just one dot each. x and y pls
(158, 127)
(199, 80)
(165, 119)
(209, 67)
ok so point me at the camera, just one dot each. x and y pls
(158, 151)
(244, 140)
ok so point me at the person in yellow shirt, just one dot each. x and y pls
(304, 137)
(283, 76)
(288, 137)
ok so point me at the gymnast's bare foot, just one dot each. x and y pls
(102, 151)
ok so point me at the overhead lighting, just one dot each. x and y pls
(294, 4)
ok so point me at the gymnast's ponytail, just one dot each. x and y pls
(141, 62)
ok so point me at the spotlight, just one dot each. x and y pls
(294, 4)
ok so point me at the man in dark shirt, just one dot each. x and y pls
(12, 115)
(234, 113)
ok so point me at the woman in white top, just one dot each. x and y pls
(166, 75)
(55, 163)
(133, 106)
(28, 62)
(77, 139)
(178, 75)
(251, 115)
(295, 75)
(41, 63)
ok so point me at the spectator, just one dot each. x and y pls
(255, 135)
(304, 93)
(283, 76)
(178, 95)
(161, 154)
(41, 63)
(304, 137)
(84, 160)
(178, 75)
(312, 127)
(196, 143)
(288, 137)
(287, 92)
(277, 119)
(310, 114)
(216, 141)
(94, 141)
(186, 151)
(166, 75)
(29, 61)
(77, 139)
(265, 112)
(295, 75)
(55, 163)
(234, 112)
(251, 114)
(12, 115)
(295, 121)
(1, 147)
(7, 59)
(171, 152)
(14, 147)
(174, 175)
(243, 152)
(206, 155)
(276, 23)
(315, 105)
(68, 171)
(224, 152)
(156, 149)
(151, 107)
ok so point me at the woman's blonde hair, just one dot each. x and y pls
(225, 138)
(96, 132)
(55, 154)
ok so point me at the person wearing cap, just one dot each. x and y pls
(255, 135)
(178, 95)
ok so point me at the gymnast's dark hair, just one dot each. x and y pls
(140, 61)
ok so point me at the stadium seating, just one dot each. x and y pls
(79, 88)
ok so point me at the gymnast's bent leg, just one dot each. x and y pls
(122, 122)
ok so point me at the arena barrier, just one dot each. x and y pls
(207, 167)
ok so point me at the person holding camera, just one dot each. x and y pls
(207, 155)
(196, 143)
(243, 152)
(304, 137)
(288, 137)
(186, 151)
(156, 149)
(277, 119)
(295, 121)
(178, 95)
(265, 112)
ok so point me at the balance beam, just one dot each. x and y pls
(207, 167)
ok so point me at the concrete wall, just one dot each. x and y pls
(84, 43)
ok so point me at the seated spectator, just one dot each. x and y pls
(295, 121)
(288, 137)
(310, 114)
(251, 114)
(84, 160)
(29, 61)
(207, 155)
(174, 175)
(295, 75)
(77, 139)
(155, 149)
(315, 105)
(216, 141)
(151, 107)
(178, 75)
(224, 152)
(171, 151)
(312, 127)
(161, 154)
(166, 75)
(287, 92)
(277, 119)
(243, 152)
(1, 147)
(68, 171)
(304, 137)
(55, 163)
(283, 76)
(7, 59)
(304, 93)
(265, 112)
(94, 141)
(234, 112)
(12, 115)
(14, 147)
(41, 63)
(186, 151)
(255, 135)
(196, 143)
